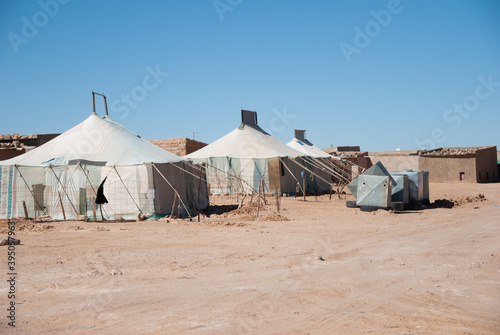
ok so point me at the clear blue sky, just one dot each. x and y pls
(379, 74)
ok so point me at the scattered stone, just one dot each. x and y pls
(320, 258)
(35, 228)
(115, 272)
(118, 218)
(459, 201)
(76, 227)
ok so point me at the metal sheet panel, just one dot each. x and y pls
(418, 182)
(374, 191)
(401, 192)
(377, 169)
(353, 187)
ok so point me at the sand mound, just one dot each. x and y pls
(274, 217)
(239, 216)
(245, 213)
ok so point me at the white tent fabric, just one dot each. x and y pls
(301, 144)
(246, 141)
(99, 140)
(248, 158)
(60, 178)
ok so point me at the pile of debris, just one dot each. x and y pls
(449, 152)
(468, 199)
(17, 137)
(179, 146)
(14, 141)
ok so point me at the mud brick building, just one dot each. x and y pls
(15, 145)
(179, 146)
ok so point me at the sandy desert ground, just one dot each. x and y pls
(327, 270)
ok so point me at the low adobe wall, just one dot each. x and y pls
(180, 146)
(443, 168)
(486, 165)
(397, 163)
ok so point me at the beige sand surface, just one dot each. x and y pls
(328, 270)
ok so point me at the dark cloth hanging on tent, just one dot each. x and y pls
(101, 199)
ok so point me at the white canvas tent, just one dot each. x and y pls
(248, 157)
(65, 173)
(300, 143)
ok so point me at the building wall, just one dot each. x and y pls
(498, 165)
(7, 153)
(15, 145)
(180, 146)
(442, 168)
(486, 165)
(396, 163)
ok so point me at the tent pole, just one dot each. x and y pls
(131, 197)
(282, 162)
(64, 189)
(93, 101)
(173, 205)
(304, 184)
(277, 194)
(93, 209)
(102, 216)
(258, 201)
(26, 217)
(105, 102)
(35, 202)
(263, 192)
(31, 191)
(90, 183)
(242, 199)
(62, 207)
(303, 167)
(317, 163)
(261, 182)
(233, 176)
(192, 174)
(199, 186)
